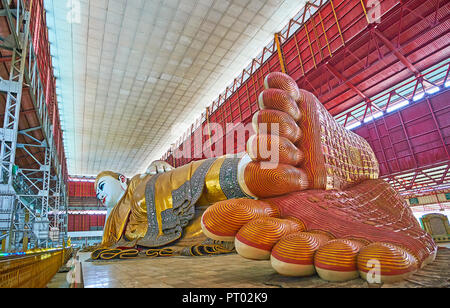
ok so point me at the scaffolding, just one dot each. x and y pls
(33, 192)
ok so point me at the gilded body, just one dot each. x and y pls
(128, 222)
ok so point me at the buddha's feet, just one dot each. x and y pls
(322, 208)
(366, 231)
(298, 145)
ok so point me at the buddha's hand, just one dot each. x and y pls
(158, 166)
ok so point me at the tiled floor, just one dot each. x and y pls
(180, 272)
(226, 271)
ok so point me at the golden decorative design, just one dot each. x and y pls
(32, 271)
(162, 252)
(110, 254)
(213, 192)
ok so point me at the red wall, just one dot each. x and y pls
(416, 136)
(85, 222)
(82, 195)
(81, 189)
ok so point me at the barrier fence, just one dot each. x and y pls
(31, 270)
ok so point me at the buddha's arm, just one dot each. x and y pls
(226, 177)
(240, 177)
(128, 216)
(115, 223)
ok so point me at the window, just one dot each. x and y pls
(413, 201)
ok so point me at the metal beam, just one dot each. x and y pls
(280, 52)
(10, 86)
(397, 53)
(340, 77)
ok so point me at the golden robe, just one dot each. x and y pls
(198, 184)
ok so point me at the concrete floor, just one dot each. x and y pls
(59, 281)
(225, 271)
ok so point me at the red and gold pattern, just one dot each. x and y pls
(287, 127)
(293, 255)
(265, 179)
(372, 211)
(261, 147)
(336, 261)
(256, 238)
(335, 157)
(331, 156)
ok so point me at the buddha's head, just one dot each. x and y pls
(110, 187)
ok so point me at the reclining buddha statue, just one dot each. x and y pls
(319, 209)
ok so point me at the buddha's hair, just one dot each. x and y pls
(106, 173)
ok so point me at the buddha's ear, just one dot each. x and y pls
(123, 181)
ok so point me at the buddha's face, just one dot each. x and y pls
(110, 190)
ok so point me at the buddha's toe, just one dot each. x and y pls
(223, 220)
(268, 179)
(278, 123)
(293, 255)
(385, 263)
(277, 80)
(274, 149)
(336, 260)
(256, 239)
(276, 99)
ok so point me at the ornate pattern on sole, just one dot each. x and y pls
(372, 210)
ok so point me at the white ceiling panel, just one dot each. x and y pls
(131, 75)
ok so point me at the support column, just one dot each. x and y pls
(26, 230)
(58, 217)
(44, 233)
(280, 52)
(19, 24)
